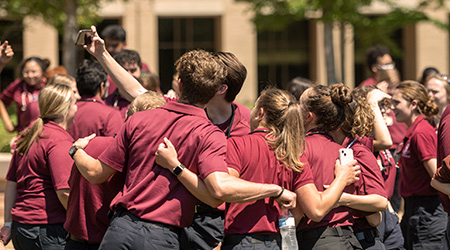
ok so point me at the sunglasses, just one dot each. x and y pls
(442, 77)
(386, 66)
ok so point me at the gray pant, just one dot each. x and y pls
(41, 236)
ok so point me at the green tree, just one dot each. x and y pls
(65, 15)
(276, 14)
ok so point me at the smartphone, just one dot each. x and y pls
(345, 155)
(84, 37)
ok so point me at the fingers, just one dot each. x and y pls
(168, 143)
(91, 136)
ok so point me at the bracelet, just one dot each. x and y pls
(7, 224)
(279, 195)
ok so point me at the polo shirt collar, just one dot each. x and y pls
(414, 125)
(91, 99)
(185, 108)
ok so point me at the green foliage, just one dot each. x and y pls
(5, 137)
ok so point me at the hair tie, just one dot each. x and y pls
(291, 103)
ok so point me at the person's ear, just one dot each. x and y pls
(222, 89)
(414, 104)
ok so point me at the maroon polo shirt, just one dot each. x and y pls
(150, 191)
(397, 130)
(369, 81)
(240, 119)
(118, 102)
(443, 150)
(419, 145)
(88, 206)
(371, 180)
(321, 152)
(94, 116)
(259, 166)
(386, 160)
(26, 99)
(45, 169)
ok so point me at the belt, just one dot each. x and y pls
(234, 239)
(325, 231)
(74, 238)
(367, 234)
(205, 209)
(133, 218)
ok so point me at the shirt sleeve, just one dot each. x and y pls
(60, 164)
(114, 123)
(7, 96)
(233, 156)
(116, 154)
(212, 155)
(15, 160)
(304, 177)
(425, 145)
(372, 181)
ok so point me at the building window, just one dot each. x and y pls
(178, 35)
(283, 55)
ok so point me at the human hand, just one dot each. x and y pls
(347, 173)
(166, 155)
(287, 199)
(6, 53)
(83, 142)
(97, 46)
(6, 234)
(375, 96)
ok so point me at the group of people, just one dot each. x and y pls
(129, 168)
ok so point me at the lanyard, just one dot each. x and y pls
(259, 130)
(228, 131)
(351, 143)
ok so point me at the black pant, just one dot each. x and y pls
(369, 239)
(328, 238)
(79, 245)
(127, 231)
(252, 241)
(206, 231)
(38, 236)
(424, 223)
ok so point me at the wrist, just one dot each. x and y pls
(279, 193)
(178, 170)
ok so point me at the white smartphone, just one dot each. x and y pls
(345, 155)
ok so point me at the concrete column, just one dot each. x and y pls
(239, 37)
(317, 53)
(40, 39)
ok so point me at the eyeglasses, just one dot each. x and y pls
(442, 77)
(386, 66)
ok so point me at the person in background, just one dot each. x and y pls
(131, 62)
(438, 86)
(24, 92)
(54, 71)
(150, 81)
(378, 59)
(93, 115)
(424, 221)
(297, 86)
(6, 54)
(66, 80)
(427, 74)
(37, 190)
(88, 205)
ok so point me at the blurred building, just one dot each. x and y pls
(161, 30)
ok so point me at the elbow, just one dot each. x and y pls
(94, 178)
(316, 215)
(215, 204)
(433, 183)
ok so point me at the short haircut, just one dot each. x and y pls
(90, 76)
(114, 32)
(236, 74)
(128, 56)
(201, 74)
(374, 52)
(297, 86)
(148, 100)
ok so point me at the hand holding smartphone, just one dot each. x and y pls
(84, 37)
(345, 155)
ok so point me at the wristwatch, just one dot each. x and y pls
(72, 151)
(178, 169)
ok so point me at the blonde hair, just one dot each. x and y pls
(54, 103)
(148, 100)
(283, 117)
(63, 79)
(361, 119)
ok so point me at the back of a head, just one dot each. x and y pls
(114, 32)
(60, 70)
(63, 79)
(374, 52)
(236, 74)
(90, 76)
(128, 56)
(329, 104)
(54, 103)
(360, 117)
(283, 116)
(412, 90)
(297, 86)
(427, 74)
(146, 101)
(201, 75)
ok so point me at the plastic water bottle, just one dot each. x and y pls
(287, 230)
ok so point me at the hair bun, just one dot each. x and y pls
(340, 94)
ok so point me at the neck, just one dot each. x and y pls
(338, 136)
(219, 110)
(411, 121)
(202, 106)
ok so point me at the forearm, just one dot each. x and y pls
(10, 199)
(91, 169)
(367, 203)
(129, 86)
(441, 186)
(374, 219)
(63, 196)
(382, 137)
(9, 126)
(234, 190)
